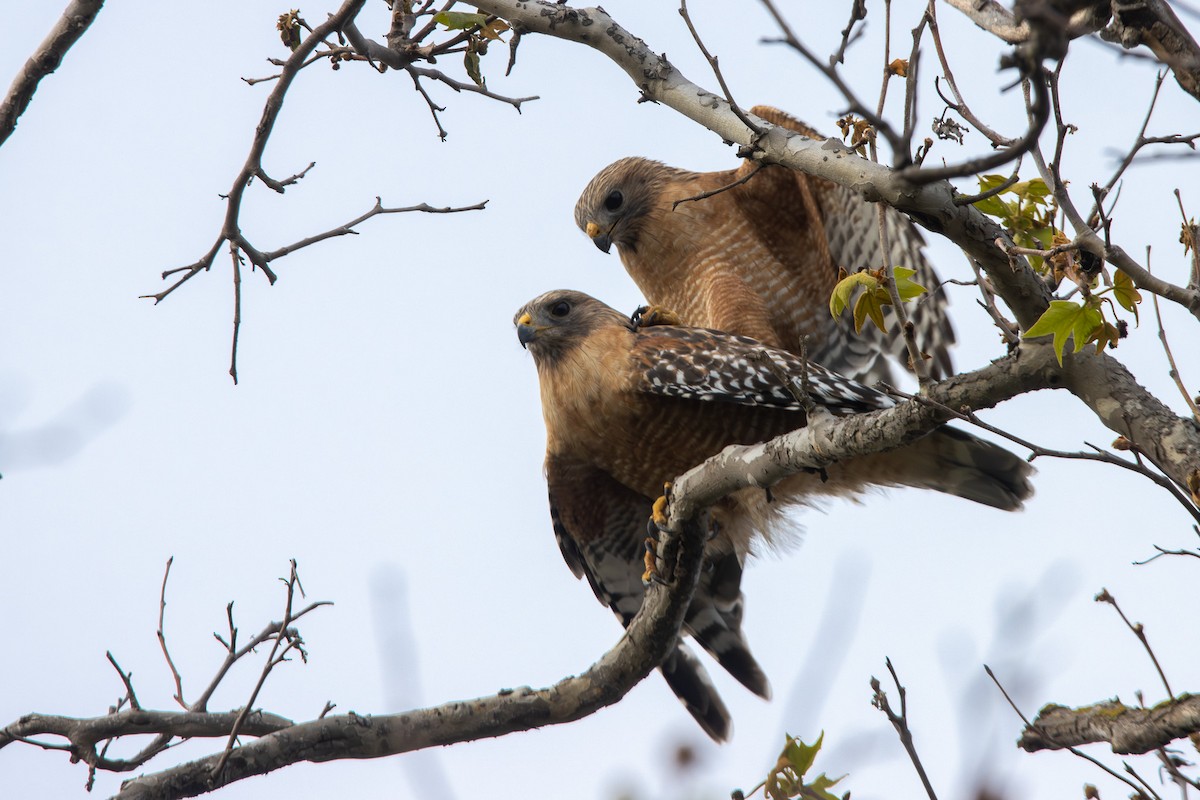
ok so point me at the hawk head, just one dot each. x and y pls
(552, 324)
(614, 206)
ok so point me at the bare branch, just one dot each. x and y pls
(716, 68)
(1173, 372)
(959, 104)
(162, 637)
(994, 18)
(1139, 631)
(377, 209)
(1152, 23)
(649, 638)
(127, 679)
(74, 22)
(1031, 726)
(856, 106)
(1127, 730)
(900, 723)
(858, 11)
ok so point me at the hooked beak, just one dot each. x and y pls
(526, 330)
(599, 237)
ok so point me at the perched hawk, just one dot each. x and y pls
(762, 258)
(629, 407)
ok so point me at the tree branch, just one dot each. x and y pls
(1128, 730)
(73, 23)
(649, 638)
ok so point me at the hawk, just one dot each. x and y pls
(628, 407)
(761, 258)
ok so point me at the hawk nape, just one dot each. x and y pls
(629, 407)
(762, 258)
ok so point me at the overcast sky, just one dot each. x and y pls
(387, 433)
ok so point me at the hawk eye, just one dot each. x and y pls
(560, 309)
(614, 200)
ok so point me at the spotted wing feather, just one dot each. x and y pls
(711, 366)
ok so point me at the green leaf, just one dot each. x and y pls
(1035, 191)
(1059, 319)
(907, 289)
(459, 20)
(471, 62)
(840, 299)
(1086, 323)
(820, 787)
(989, 182)
(800, 755)
(1126, 293)
(870, 304)
(994, 207)
(1067, 318)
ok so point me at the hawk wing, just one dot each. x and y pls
(711, 366)
(850, 228)
(600, 526)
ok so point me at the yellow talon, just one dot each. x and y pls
(659, 511)
(650, 560)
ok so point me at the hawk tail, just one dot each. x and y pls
(714, 619)
(690, 682)
(963, 465)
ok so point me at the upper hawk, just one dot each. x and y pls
(761, 258)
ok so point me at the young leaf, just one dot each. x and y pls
(870, 304)
(471, 62)
(907, 289)
(1126, 293)
(1059, 319)
(800, 756)
(844, 290)
(459, 20)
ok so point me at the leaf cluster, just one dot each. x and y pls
(1028, 214)
(479, 31)
(1029, 218)
(786, 778)
(874, 295)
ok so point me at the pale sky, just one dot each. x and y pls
(387, 432)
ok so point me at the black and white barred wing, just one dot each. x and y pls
(699, 364)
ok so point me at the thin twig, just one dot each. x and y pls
(968, 199)
(705, 195)
(1140, 632)
(716, 68)
(895, 141)
(1173, 372)
(900, 723)
(162, 637)
(959, 105)
(1040, 114)
(127, 679)
(274, 658)
(858, 11)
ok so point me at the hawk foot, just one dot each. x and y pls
(647, 316)
(657, 522)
